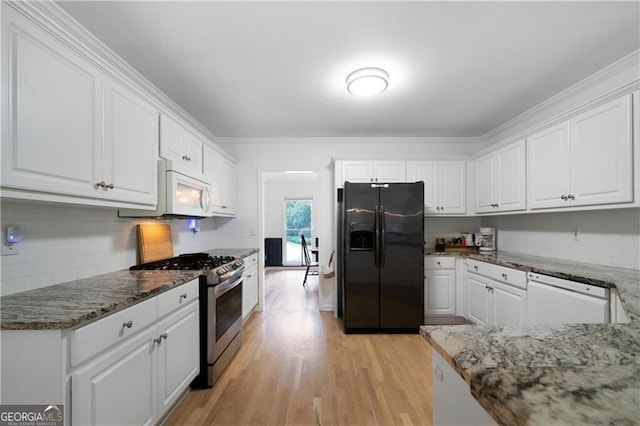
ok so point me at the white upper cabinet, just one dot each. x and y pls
(602, 154)
(583, 161)
(444, 185)
(500, 179)
(51, 136)
(181, 147)
(220, 172)
(130, 146)
(373, 171)
(68, 129)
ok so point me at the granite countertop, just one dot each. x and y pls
(626, 281)
(552, 374)
(539, 375)
(78, 302)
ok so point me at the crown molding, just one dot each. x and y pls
(52, 19)
(351, 140)
(631, 61)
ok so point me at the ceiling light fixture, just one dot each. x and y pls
(367, 81)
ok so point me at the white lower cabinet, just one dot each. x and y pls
(496, 295)
(119, 388)
(249, 285)
(439, 286)
(453, 403)
(178, 362)
(128, 368)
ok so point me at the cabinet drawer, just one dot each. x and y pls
(439, 262)
(509, 276)
(251, 261)
(177, 298)
(91, 339)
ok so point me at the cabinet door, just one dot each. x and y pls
(178, 354)
(453, 184)
(509, 305)
(220, 173)
(485, 197)
(51, 136)
(119, 388)
(439, 293)
(426, 171)
(510, 186)
(478, 299)
(130, 146)
(249, 291)
(390, 171)
(180, 146)
(601, 154)
(357, 171)
(229, 190)
(548, 167)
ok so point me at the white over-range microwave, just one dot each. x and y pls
(179, 196)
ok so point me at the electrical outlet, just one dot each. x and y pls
(576, 234)
(252, 231)
(10, 250)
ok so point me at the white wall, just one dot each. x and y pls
(63, 243)
(606, 237)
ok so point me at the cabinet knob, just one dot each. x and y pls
(475, 267)
(101, 184)
(110, 186)
(571, 197)
(127, 324)
(504, 275)
(442, 208)
(439, 264)
(437, 207)
(184, 157)
(564, 197)
(183, 296)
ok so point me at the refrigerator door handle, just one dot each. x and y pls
(376, 225)
(383, 241)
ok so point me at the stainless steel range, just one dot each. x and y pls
(220, 308)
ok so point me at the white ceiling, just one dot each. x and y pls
(270, 69)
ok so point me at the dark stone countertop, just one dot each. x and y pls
(78, 302)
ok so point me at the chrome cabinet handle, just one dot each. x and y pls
(249, 276)
(504, 275)
(571, 197)
(564, 197)
(101, 184)
(442, 208)
(438, 262)
(110, 186)
(127, 324)
(183, 296)
(475, 267)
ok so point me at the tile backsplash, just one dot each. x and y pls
(605, 237)
(63, 243)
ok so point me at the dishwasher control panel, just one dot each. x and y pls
(589, 289)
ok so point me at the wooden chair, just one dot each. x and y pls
(307, 261)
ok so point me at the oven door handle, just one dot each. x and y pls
(221, 289)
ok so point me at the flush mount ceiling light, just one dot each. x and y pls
(367, 81)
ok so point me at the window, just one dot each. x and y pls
(297, 222)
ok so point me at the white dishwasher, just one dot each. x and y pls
(552, 300)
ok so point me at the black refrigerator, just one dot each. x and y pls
(382, 256)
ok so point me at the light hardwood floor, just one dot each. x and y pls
(297, 367)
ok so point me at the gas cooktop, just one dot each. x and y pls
(217, 268)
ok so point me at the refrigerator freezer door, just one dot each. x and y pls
(361, 280)
(402, 256)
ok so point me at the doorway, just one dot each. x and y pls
(298, 221)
